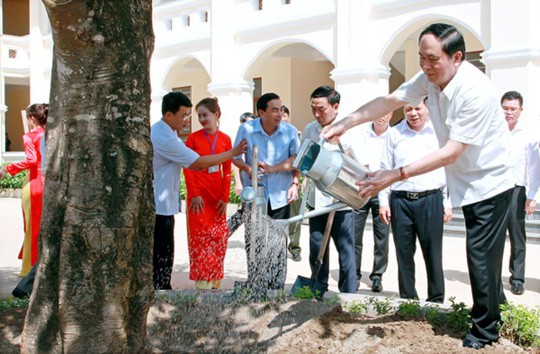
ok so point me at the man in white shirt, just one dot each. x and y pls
(417, 206)
(523, 151)
(170, 155)
(473, 139)
(368, 152)
(324, 106)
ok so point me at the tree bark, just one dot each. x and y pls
(94, 281)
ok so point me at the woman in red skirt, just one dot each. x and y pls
(207, 198)
(33, 191)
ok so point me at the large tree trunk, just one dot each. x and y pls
(94, 280)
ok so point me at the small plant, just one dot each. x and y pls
(306, 293)
(382, 306)
(458, 318)
(357, 308)
(521, 324)
(409, 308)
(435, 316)
(12, 303)
(243, 293)
(334, 300)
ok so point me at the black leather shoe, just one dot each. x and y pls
(517, 288)
(296, 257)
(376, 285)
(467, 343)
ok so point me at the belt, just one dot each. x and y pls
(415, 195)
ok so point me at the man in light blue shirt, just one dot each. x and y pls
(278, 145)
(170, 155)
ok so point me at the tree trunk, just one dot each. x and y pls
(94, 281)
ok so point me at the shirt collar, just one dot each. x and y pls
(453, 85)
(257, 127)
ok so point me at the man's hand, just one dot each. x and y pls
(447, 215)
(197, 205)
(530, 205)
(240, 148)
(333, 132)
(221, 207)
(292, 193)
(265, 168)
(376, 182)
(385, 214)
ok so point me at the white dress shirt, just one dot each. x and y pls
(404, 145)
(368, 146)
(523, 159)
(170, 155)
(467, 111)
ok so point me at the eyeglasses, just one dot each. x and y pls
(511, 109)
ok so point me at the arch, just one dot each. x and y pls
(416, 24)
(271, 48)
(177, 65)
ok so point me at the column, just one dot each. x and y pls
(513, 59)
(358, 74)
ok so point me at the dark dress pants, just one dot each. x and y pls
(518, 237)
(486, 222)
(342, 233)
(422, 218)
(380, 237)
(266, 251)
(163, 251)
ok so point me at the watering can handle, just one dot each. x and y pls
(323, 140)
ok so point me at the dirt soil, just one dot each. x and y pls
(190, 325)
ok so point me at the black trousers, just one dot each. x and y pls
(163, 251)
(342, 233)
(486, 223)
(518, 237)
(422, 218)
(266, 251)
(380, 236)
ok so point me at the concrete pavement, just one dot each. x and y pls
(455, 264)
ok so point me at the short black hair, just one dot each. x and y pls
(451, 39)
(512, 95)
(244, 117)
(173, 101)
(262, 102)
(286, 110)
(326, 91)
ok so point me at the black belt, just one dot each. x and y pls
(415, 195)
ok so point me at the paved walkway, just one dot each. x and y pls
(455, 264)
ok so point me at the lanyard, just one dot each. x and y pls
(212, 145)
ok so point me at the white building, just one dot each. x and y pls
(238, 49)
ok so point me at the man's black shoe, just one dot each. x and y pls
(297, 257)
(467, 343)
(376, 285)
(517, 288)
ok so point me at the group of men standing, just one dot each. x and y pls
(453, 135)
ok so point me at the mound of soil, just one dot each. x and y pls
(192, 325)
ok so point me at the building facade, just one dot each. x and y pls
(236, 50)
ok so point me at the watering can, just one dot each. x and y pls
(332, 171)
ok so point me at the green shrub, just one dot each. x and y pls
(382, 306)
(520, 324)
(12, 302)
(15, 182)
(357, 308)
(409, 308)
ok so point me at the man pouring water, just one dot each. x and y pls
(470, 127)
